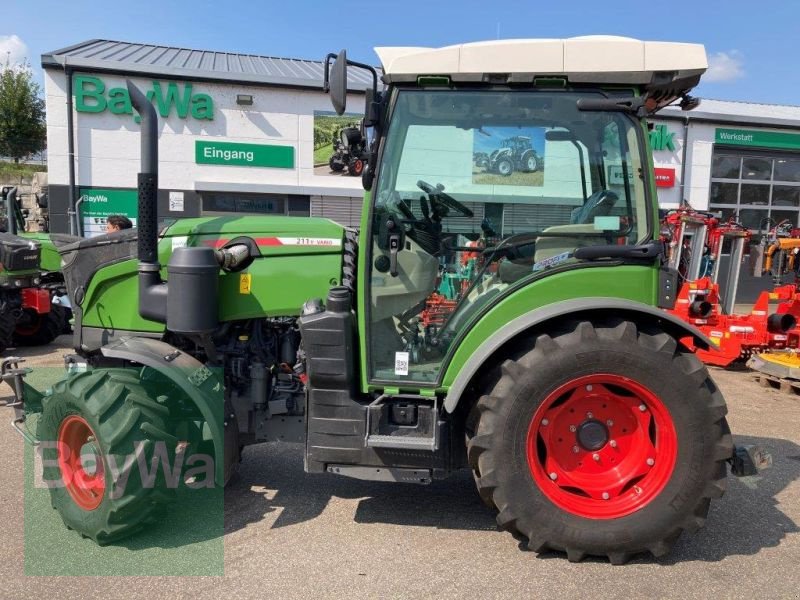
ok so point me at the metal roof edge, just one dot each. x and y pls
(97, 66)
(711, 118)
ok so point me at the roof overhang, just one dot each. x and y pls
(590, 59)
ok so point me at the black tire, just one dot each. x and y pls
(335, 165)
(122, 414)
(504, 167)
(7, 325)
(497, 441)
(530, 162)
(42, 329)
(355, 167)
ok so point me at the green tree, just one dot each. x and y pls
(22, 122)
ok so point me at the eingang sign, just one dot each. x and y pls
(91, 97)
(243, 155)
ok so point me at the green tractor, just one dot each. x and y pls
(514, 154)
(555, 378)
(37, 308)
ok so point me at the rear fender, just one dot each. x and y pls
(196, 380)
(582, 308)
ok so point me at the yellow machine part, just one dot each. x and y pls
(785, 365)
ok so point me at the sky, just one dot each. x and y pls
(752, 46)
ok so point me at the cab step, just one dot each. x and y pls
(404, 422)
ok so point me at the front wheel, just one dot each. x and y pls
(603, 439)
(106, 451)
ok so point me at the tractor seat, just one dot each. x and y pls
(598, 204)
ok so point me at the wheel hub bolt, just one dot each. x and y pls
(612, 443)
(610, 423)
(596, 457)
(588, 388)
(589, 415)
(606, 496)
(553, 476)
(642, 407)
(650, 462)
(573, 429)
(575, 449)
(545, 422)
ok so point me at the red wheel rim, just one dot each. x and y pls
(602, 446)
(359, 166)
(80, 462)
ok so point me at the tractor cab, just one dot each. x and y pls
(566, 182)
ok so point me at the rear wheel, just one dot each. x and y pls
(605, 439)
(92, 427)
(38, 330)
(356, 167)
(7, 325)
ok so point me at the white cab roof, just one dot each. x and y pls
(605, 59)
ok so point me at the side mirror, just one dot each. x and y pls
(338, 83)
(41, 200)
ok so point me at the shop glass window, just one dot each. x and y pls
(787, 169)
(724, 193)
(753, 219)
(754, 167)
(754, 194)
(785, 195)
(783, 215)
(725, 166)
(725, 212)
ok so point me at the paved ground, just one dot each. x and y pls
(288, 534)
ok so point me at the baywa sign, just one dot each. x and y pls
(91, 96)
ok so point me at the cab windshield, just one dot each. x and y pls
(479, 192)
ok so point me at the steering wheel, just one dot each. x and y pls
(437, 195)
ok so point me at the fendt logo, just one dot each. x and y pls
(662, 139)
(91, 97)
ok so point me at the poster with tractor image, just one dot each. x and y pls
(508, 156)
(339, 146)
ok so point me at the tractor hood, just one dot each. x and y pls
(273, 235)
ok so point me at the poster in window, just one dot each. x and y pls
(508, 156)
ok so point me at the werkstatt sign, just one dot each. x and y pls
(92, 96)
(756, 137)
(243, 155)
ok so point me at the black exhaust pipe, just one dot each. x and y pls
(780, 322)
(11, 210)
(700, 308)
(152, 291)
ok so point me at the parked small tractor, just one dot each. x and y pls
(515, 154)
(349, 151)
(554, 375)
(34, 308)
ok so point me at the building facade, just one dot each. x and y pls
(237, 134)
(243, 134)
(738, 159)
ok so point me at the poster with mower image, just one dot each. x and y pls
(339, 146)
(508, 156)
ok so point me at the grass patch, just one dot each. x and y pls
(535, 179)
(323, 154)
(9, 169)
